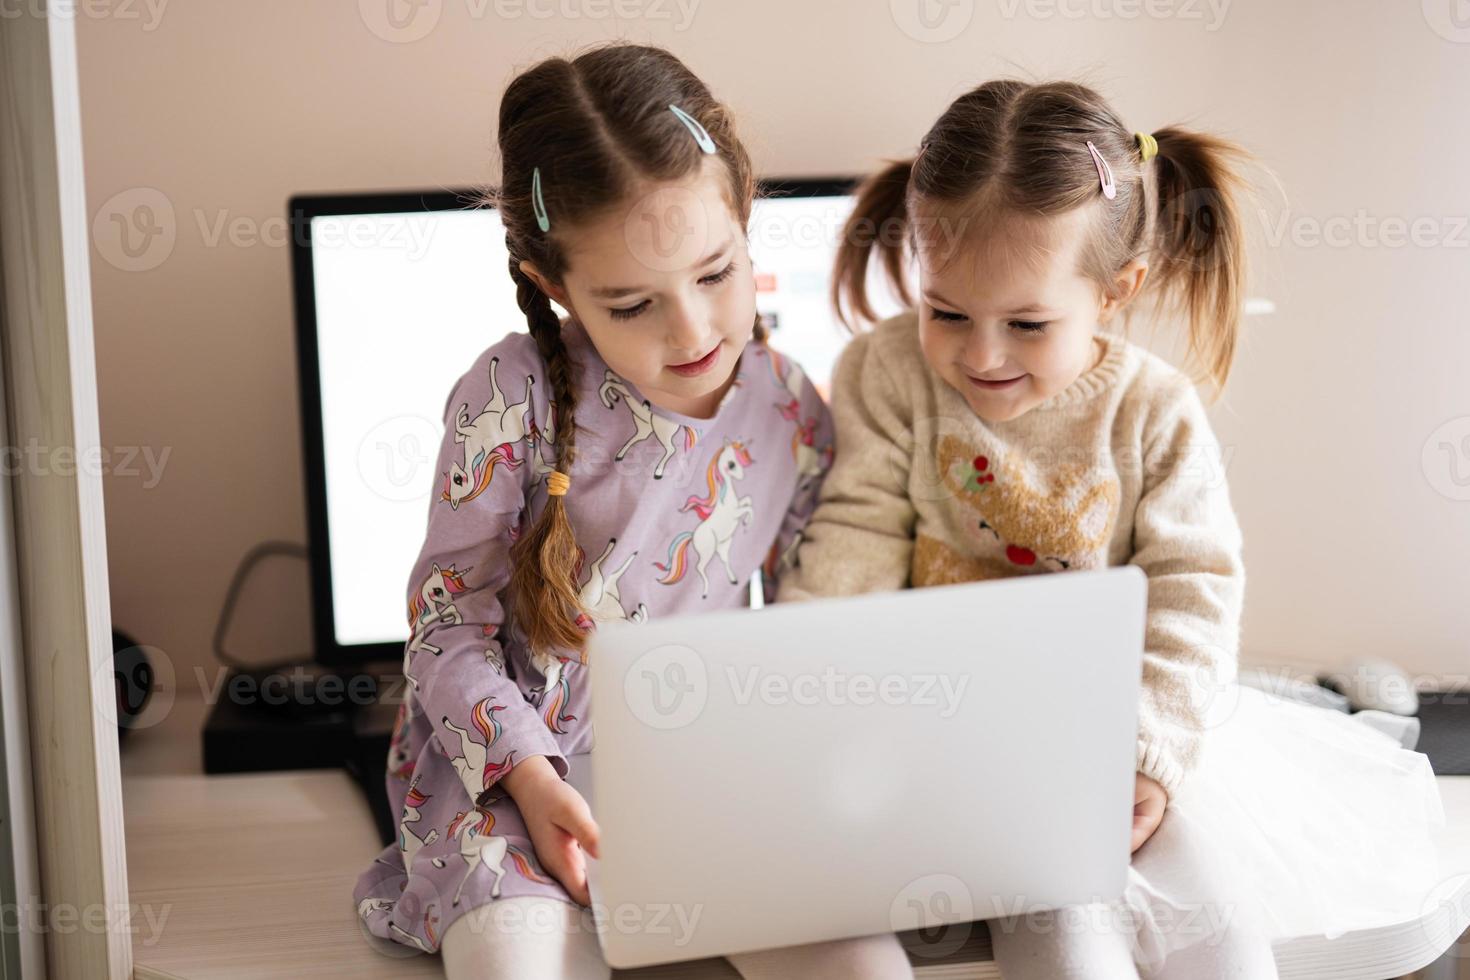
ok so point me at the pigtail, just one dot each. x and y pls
(879, 221)
(1199, 249)
(544, 558)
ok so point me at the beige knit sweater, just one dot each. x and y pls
(1120, 467)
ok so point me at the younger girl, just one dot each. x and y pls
(997, 431)
(642, 458)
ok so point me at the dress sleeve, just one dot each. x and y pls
(812, 444)
(453, 659)
(1187, 540)
(861, 536)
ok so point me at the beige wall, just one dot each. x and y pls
(218, 109)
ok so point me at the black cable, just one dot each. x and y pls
(253, 557)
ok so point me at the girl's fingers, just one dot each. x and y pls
(576, 884)
(1146, 819)
(568, 868)
(583, 828)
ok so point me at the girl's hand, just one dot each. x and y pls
(1149, 799)
(558, 820)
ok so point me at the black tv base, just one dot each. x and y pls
(249, 730)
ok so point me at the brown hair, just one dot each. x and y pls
(1014, 146)
(595, 126)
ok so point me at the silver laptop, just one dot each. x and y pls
(853, 766)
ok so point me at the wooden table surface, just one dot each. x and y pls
(250, 876)
(280, 852)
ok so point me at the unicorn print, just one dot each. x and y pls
(480, 847)
(489, 440)
(431, 919)
(370, 905)
(409, 938)
(494, 656)
(540, 468)
(400, 762)
(409, 842)
(600, 596)
(720, 514)
(473, 760)
(645, 423)
(553, 697)
(788, 375)
(643, 477)
(433, 605)
(810, 461)
(780, 560)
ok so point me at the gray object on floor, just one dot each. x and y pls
(1404, 730)
(1278, 683)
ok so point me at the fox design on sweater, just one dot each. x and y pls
(1018, 526)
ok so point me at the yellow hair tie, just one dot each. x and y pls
(1147, 145)
(558, 483)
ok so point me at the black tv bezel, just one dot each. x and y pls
(301, 208)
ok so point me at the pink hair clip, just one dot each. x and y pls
(1104, 173)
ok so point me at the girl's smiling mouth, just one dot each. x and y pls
(1001, 385)
(700, 366)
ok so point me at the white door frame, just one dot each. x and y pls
(48, 378)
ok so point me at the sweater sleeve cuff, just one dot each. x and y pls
(1159, 764)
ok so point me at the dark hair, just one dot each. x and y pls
(1020, 147)
(595, 126)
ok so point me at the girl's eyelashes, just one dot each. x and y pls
(1025, 326)
(713, 279)
(946, 315)
(629, 312)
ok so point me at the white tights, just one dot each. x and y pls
(1182, 916)
(526, 938)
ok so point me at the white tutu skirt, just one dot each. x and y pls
(1329, 822)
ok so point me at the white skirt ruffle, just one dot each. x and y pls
(1329, 820)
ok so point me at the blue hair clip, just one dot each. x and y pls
(538, 203)
(701, 136)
